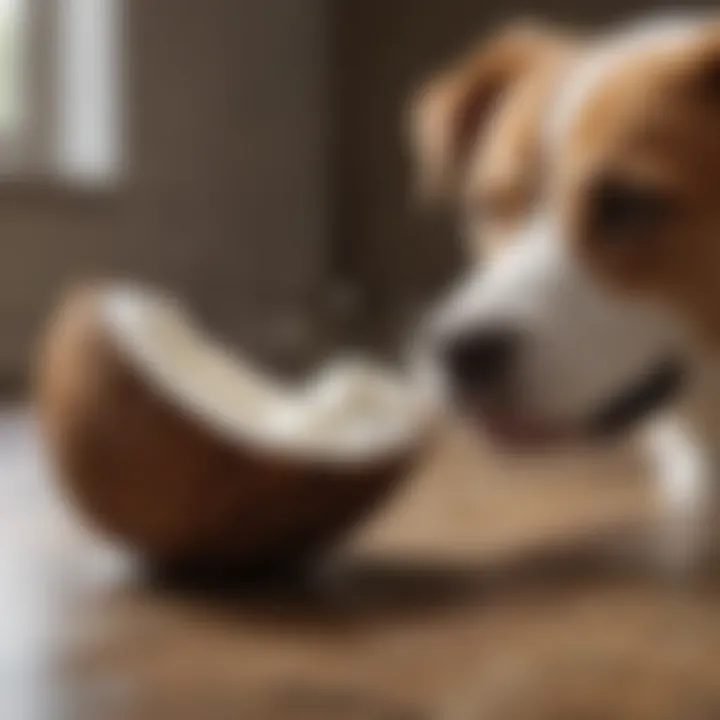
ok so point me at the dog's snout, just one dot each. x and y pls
(479, 359)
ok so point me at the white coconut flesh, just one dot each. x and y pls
(351, 410)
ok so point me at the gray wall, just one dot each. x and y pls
(225, 196)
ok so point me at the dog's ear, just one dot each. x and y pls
(448, 112)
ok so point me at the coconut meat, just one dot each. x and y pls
(351, 409)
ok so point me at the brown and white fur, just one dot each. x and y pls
(586, 171)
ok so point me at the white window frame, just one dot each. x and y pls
(15, 140)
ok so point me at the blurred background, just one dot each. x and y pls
(245, 153)
(248, 155)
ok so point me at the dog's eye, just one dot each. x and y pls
(621, 210)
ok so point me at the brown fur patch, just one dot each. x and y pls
(505, 172)
(652, 123)
(453, 109)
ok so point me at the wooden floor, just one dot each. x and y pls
(487, 588)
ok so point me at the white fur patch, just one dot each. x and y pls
(582, 343)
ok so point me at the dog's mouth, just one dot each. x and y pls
(649, 393)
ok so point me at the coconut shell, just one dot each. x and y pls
(158, 480)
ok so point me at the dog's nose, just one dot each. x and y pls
(479, 359)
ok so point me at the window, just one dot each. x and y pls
(60, 89)
(88, 140)
(12, 40)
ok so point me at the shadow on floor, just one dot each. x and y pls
(369, 589)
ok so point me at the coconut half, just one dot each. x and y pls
(185, 451)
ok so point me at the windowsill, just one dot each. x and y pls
(18, 186)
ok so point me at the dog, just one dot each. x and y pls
(586, 174)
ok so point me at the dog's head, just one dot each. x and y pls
(587, 176)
